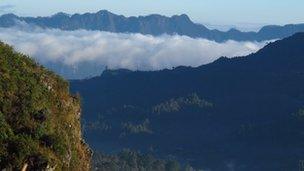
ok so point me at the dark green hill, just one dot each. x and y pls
(244, 113)
(39, 119)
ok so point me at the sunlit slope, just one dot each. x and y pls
(39, 119)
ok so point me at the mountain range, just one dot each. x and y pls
(240, 113)
(152, 24)
(244, 113)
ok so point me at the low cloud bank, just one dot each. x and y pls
(115, 50)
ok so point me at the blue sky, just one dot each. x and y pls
(216, 12)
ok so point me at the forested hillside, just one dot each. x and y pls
(244, 113)
(39, 119)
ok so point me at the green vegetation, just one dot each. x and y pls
(176, 104)
(39, 119)
(143, 127)
(133, 161)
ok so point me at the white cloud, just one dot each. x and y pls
(115, 50)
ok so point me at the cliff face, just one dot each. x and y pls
(39, 120)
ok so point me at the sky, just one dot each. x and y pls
(216, 13)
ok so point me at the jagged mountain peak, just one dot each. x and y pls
(177, 24)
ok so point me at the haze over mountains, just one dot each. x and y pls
(83, 53)
(152, 24)
(143, 43)
(243, 113)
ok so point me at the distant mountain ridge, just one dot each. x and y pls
(152, 24)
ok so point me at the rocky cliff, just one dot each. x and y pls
(39, 120)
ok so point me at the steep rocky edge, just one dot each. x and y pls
(39, 120)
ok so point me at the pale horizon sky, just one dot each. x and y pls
(213, 13)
